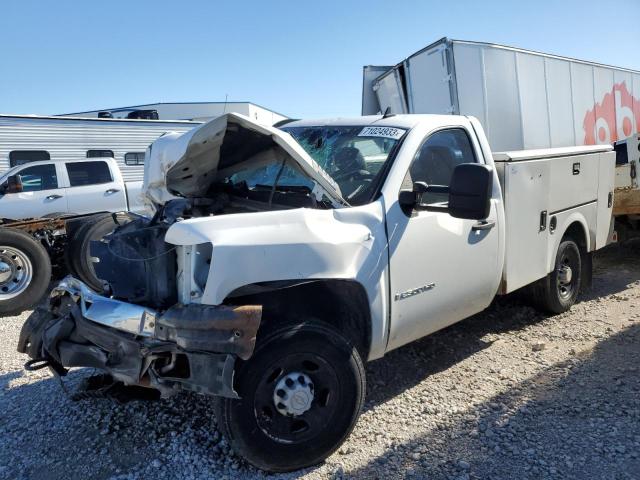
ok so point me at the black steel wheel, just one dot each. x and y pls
(301, 394)
(559, 290)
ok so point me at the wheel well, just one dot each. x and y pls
(577, 234)
(342, 304)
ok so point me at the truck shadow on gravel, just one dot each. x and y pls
(577, 419)
(615, 268)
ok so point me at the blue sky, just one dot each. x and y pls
(301, 58)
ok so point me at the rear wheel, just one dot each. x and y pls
(25, 271)
(559, 290)
(301, 394)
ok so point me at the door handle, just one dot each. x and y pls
(111, 191)
(484, 225)
(53, 197)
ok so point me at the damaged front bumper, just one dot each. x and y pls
(187, 347)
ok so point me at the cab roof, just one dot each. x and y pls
(407, 121)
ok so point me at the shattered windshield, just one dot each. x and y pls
(352, 155)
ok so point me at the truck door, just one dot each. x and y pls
(93, 188)
(40, 196)
(442, 269)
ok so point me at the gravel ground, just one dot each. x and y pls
(509, 393)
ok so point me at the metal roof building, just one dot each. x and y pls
(192, 111)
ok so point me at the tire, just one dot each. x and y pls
(77, 231)
(25, 271)
(79, 252)
(559, 290)
(310, 358)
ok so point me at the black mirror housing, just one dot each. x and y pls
(470, 191)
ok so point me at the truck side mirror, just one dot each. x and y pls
(13, 185)
(470, 191)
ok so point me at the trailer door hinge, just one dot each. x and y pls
(447, 78)
(543, 220)
(610, 200)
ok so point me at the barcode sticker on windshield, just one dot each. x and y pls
(385, 132)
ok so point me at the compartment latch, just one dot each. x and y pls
(576, 168)
(543, 220)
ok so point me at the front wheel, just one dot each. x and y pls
(301, 394)
(559, 290)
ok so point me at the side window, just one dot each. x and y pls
(435, 160)
(99, 153)
(39, 177)
(88, 173)
(134, 158)
(20, 157)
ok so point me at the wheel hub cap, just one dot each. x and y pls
(293, 394)
(565, 274)
(16, 272)
(5, 272)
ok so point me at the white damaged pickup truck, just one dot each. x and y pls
(281, 259)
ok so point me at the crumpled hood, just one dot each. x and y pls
(188, 164)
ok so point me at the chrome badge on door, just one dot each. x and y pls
(414, 291)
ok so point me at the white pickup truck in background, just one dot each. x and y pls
(49, 212)
(39, 189)
(297, 253)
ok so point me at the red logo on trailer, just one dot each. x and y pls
(615, 118)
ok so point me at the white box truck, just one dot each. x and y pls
(297, 253)
(524, 100)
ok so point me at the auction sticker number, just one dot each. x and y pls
(385, 132)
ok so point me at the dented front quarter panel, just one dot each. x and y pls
(298, 244)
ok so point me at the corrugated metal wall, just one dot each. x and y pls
(70, 139)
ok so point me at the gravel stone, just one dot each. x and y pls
(538, 346)
(477, 400)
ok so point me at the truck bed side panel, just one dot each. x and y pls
(543, 197)
(525, 187)
(606, 185)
